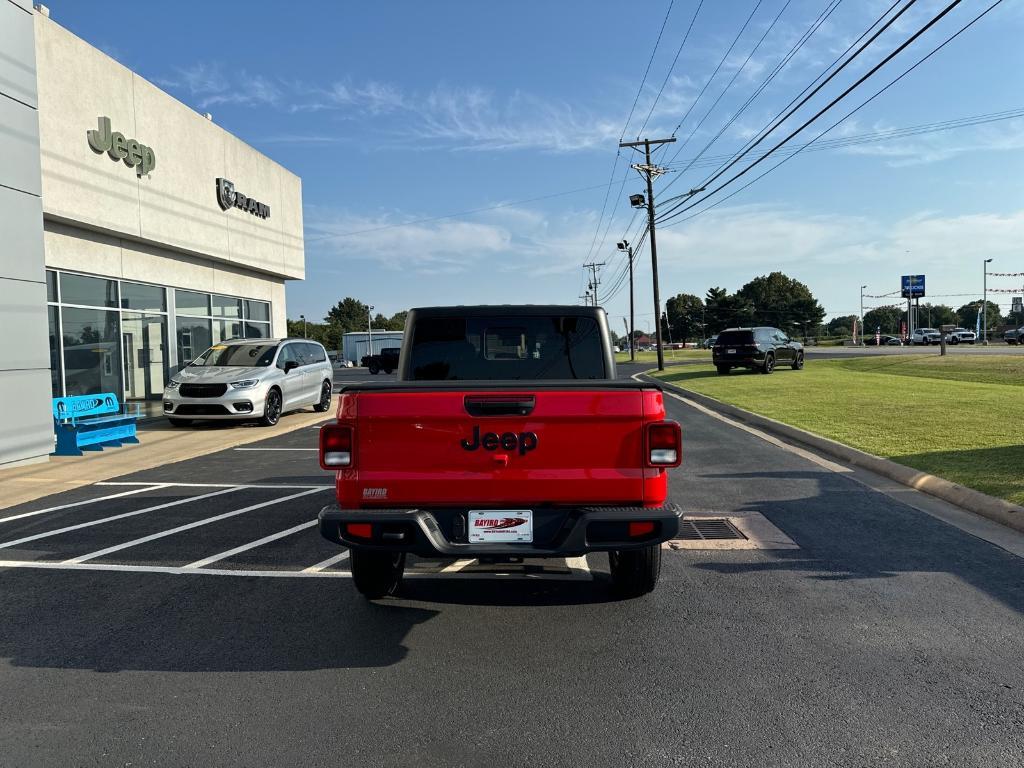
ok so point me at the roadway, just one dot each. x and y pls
(190, 615)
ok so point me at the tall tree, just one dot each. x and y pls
(841, 326)
(349, 314)
(885, 319)
(967, 315)
(397, 321)
(781, 301)
(935, 315)
(685, 314)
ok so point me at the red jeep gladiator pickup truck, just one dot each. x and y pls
(506, 435)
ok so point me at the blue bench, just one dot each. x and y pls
(91, 422)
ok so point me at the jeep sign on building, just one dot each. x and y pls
(136, 231)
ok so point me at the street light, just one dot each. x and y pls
(862, 314)
(303, 319)
(984, 301)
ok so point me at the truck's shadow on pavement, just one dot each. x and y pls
(114, 622)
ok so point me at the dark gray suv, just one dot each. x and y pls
(759, 349)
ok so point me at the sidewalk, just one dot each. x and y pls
(159, 444)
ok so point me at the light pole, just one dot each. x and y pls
(625, 246)
(861, 318)
(303, 319)
(984, 301)
(369, 328)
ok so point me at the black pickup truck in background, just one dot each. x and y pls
(1014, 335)
(386, 361)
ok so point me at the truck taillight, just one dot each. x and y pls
(664, 444)
(335, 446)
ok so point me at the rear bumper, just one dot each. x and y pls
(558, 531)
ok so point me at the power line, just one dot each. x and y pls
(720, 63)
(668, 74)
(647, 71)
(823, 16)
(849, 114)
(824, 109)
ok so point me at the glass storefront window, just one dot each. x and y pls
(194, 338)
(224, 330)
(90, 291)
(225, 306)
(257, 330)
(257, 310)
(56, 374)
(144, 298)
(51, 285)
(92, 351)
(190, 303)
(144, 339)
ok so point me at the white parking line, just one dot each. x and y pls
(223, 485)
(69, 528)
(148, 487)
(579, 567)
(326, 563)
(457, 566)
(176, 570)
(251, 545)
(278, 449)
(186, 527)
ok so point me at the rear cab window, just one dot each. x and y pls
(734, 338)
(482, 348)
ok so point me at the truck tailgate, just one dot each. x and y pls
(493, 448)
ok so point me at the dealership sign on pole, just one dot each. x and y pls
(912, 286)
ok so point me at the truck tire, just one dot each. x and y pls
(954, 339)
(723, 370)
(387, 370)
(377, 574)
(798, 362)
(635, 571)
(374, 370)
(769, 363)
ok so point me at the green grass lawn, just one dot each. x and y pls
(670, 354)
(958, 417)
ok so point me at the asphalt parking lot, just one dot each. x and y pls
(191, 614)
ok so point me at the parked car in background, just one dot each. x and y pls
(1014, 335)
(925, 336)
(250, 379)
(759, 349)
(961, 336)
(894, 341)
(338, 361)
(709, 342)
(869, 341)
(386, 360)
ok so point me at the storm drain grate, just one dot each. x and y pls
(710, 528)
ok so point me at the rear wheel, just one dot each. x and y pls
(635, 571)
(723, 370)
(769, 363)
(377, 574)
(374, 370)
(324, 404)
(271, 409)
(179, 422)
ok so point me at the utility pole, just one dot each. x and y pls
(984, 302)
(861, 318)
(594, 281)
(632, 357)
(651, 172)
(625, 246)
(586, 299)
(369, 328)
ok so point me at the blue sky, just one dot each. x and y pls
(398, 112)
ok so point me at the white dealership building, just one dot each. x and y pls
(134, 231)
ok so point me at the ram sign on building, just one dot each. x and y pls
(135, 231)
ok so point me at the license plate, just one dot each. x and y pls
(730, 351)
(500, 525)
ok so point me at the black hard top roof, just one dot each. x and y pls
(461, 310)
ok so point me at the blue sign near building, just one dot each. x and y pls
(912, 286)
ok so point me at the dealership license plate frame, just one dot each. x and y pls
(519, 534)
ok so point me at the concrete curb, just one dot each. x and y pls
(998, 510)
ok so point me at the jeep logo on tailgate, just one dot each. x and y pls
(524, 442)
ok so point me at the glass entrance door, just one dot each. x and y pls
(144, 342)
